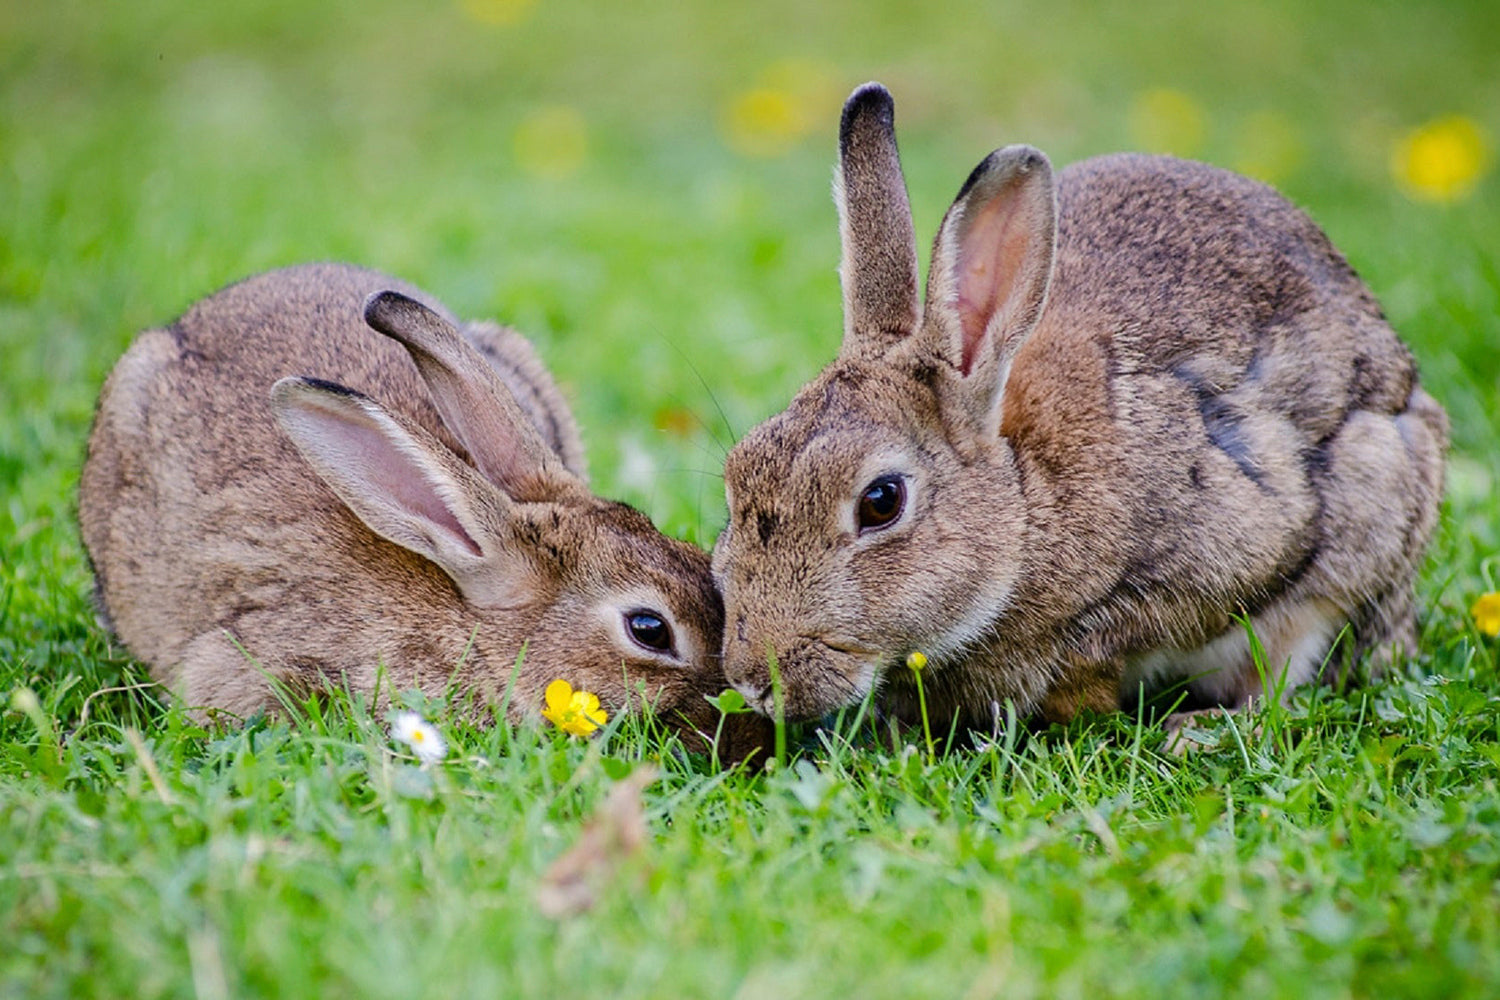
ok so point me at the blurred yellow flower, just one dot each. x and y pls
(500, 13)
(916, 661)
(1163, 120)
(1486, 613)
(763, 122)
(575, 712)
(676, 420)
(551, 142)
(786, 105)
(1268, 147)
(1441, 160)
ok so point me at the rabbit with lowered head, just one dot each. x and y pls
(412, 501)
(1140, 403)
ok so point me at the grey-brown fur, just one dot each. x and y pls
(1184, 408)
(516, 361)
(879, 268)
(224, 553)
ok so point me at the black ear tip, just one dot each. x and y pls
(288, 391)
(331, 388)
(383, 309)
(868, 100)
(1025, 157)
(873, 91)
(975, 175)
(292, 384)
(1006, 163)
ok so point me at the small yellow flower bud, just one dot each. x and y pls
(916, 661)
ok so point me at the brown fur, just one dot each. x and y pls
(1130, 411)
(880, 248)
(223, 558)
(529, 382)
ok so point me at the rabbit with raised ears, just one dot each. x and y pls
(410, 501)
(1142, 402)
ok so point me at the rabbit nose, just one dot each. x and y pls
(748, 674)
(758, 697)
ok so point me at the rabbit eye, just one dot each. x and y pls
(648, 629)
(881, 503)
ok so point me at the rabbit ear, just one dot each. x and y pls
(471, 397)
(991, 265)
(532, 387)
(407, 487)
(879, 264)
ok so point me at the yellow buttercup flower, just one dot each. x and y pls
(575, 712)
(916, 661)
(1442, 160)
(1486, 613)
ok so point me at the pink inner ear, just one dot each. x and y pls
(990, 259)
(392, 477)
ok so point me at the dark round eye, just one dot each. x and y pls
(648, 629)
(881, 502)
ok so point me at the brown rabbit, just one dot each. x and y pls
(1133, 408)
(402, 506)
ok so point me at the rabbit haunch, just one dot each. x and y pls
(1135, 407)
(412, 504)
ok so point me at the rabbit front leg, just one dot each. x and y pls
(216, 671)
(1085, 685)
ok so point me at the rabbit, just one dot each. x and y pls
(293, 483)
(1139, 405)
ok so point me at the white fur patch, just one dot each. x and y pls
(1295, 637)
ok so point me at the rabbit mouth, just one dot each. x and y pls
(841, 645)
(819, 674)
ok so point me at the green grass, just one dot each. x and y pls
(152, 152)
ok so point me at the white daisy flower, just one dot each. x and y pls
(422, 736)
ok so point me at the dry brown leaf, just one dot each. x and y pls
(613, 835)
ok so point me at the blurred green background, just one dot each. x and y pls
(644, 188)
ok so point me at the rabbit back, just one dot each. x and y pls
(1242, 430)
(191, 498)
